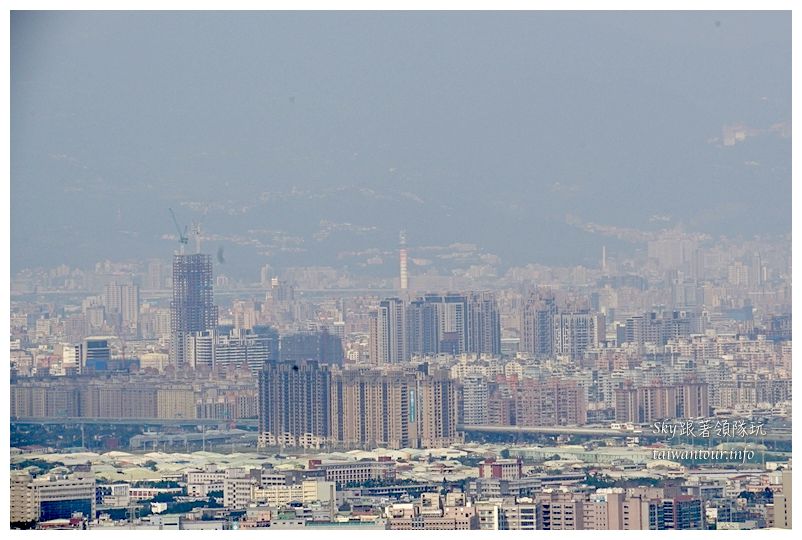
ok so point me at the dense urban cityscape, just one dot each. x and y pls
(646, 393)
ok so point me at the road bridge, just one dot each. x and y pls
(773, 436)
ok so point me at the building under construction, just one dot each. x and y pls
(192, 308)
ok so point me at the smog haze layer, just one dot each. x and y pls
(294, 137)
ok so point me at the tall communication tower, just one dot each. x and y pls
(402, 256)
(604, 259)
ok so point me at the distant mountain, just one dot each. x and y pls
(328, 133)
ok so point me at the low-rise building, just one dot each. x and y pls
(52, 496)
(350, 472)
(201, 483)
(432, 512)
(307, 491)
(113, 495)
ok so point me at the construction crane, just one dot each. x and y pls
(182, 237)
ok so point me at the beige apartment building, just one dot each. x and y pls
(51, 496)
(308, 491)
(782, 503)
(393, 408)
(550, 402)
(374, 408)
(438, 410)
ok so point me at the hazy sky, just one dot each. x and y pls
(486, 128)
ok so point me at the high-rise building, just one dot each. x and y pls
(122, 307)
(501, 404)
(642, 329)
(438, 410)
(320, 346)
(421, 328)
(245, 313)
(393, 407)
(94, 316)
(574, 332)
(454, 324)
(484, 324)
(402, 259)
(156, 274)
(388, 332)
(551, 402)
(375, 408)
(693, 400)
(294, 401)
(75, 327)
(176, 401)
(280, 291)
(265, 276)
(199, 350)
(441, 324)
(253, 348)
(657, 328)
(755, 271)
(451, 322)
(192, 308)
(474, 401)
(659, 401)
(95, 354)
(650, 403)
(537, 315)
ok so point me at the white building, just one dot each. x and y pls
(308, 491)
(474, 400)
(238, 488)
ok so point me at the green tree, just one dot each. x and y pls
(164, 497)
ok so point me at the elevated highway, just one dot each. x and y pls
(646, 433)
(252, 423)
(145, 422)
